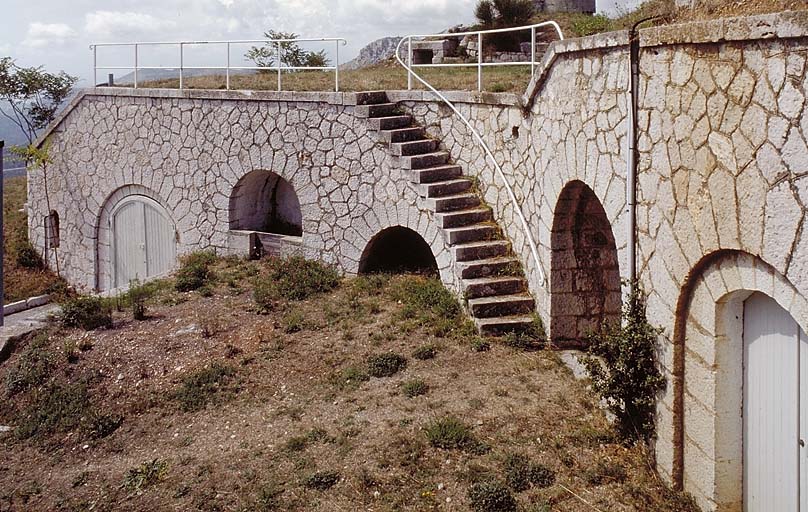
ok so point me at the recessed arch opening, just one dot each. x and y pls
(265, 202)
(397, 249)
(584, 274)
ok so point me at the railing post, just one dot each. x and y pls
(135, 65)
(228, 66)
(278, 58)
(336, 70)
(95, 66)
(532, 51)
(182, 64)
(479, 61)
(409, 63)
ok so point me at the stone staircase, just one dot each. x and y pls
(492, 279)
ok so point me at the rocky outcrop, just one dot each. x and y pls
(378, 51)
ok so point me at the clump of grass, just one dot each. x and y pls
(586, 25)
(352, 377)
(426, 294)
(321, 480)
(58, 407)
(195, 271)
(385, 365)
(102, 425)
(604, 472)
(521, 473)
(293, 278)
(71, 351)
(480, 345)
(199, 388)
(300, 443)
(450, 433)
(136, 298)
(268, 497)
(415, 387)
(532, 338)
(147, 474)
(294, 321)
(33, 367)
(89, 313)
(425, 352)
(491, 496)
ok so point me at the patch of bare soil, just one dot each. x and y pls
(218, 407)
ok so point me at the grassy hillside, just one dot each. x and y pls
(259, 392)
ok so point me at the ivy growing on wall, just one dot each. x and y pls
(623, 366)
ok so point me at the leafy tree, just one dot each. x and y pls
(33, 95)
(291, 53)
(504, 13)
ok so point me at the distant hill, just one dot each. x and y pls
(11, 134)
(378, 51)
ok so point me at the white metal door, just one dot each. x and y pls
(143, 238)
(772, 409)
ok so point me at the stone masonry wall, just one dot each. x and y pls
(188, 150)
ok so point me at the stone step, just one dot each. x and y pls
(459, 218)
(402, 134)
(415, 147)
(480, 250)
(371, 97)
(501, 305)
(444, 188)
(425, 160)
(435, 173)
(498, 285)
(473, 233)
(450, 203)
(488, 267)
(376, 110)
(390, 122)
(499, 325)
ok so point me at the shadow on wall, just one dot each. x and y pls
(397, 249)
(584, 275)
(263, 201)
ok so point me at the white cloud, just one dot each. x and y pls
(119, 23)
(40, 35)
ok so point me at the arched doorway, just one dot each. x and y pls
(397, 249)
(143, 240)
(263, 201)
(584, 273)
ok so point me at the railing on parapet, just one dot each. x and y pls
(480, 64)
(279, 67)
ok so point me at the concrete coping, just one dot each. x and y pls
(23, 305)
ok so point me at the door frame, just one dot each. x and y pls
(146, 200)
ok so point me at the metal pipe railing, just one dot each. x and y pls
(279, 66)
(479, 64)
(409, 66)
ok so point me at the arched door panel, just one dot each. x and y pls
(143, 240)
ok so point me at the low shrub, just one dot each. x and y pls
(136, 298)
(586, 25)
(450, 433)
(491, 496)
(385, 365)
(26, 255)
(604, 472)
(480, 345)
(292, 278)
(520, 473)
(89, 313)
(426, 294)
(102, 425)
(147, 474)
(199, 387)
(425, 352)
(33, 367)
(58, 407)
(294, 321)
(415, 387)
(195, 272)
(321, 480)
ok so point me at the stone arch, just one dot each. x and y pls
(103, 245)
(396, 249)
(708, 371)
(584, 269)
(265, 202)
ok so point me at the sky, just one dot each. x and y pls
(57, 33)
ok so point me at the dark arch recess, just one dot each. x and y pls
(584, 271)
(397, 249)
(264, 201)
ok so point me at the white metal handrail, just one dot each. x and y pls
(488, 153)
(479, 64)
(279, 66)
